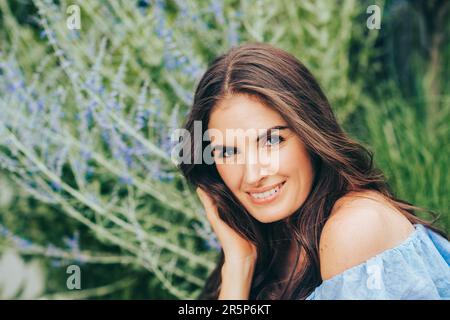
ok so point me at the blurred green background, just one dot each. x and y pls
(86, 116)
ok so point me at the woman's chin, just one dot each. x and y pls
(268, 218)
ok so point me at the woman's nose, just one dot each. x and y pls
(259, 165)
(253, 168)
(252, 173)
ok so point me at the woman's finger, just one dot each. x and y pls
(233, 244)
(222, 230)
(211, 209)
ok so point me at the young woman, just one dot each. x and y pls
(314, 220)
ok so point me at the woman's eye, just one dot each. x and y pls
(226, 152)
(274, 139)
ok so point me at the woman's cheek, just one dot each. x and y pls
(282, 160)
(230, 175)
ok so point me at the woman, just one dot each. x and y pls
(314, 220)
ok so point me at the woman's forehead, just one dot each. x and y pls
(244, 113)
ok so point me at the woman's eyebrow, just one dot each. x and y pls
(219, 146)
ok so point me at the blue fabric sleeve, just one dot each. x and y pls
(418, 268)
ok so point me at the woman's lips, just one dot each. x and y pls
(270, 198)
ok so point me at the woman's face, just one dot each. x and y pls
(271, 176)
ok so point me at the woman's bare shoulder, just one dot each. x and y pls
(361, 225)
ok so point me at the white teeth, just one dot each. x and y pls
(266, 194)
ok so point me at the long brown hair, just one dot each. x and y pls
(277, 79)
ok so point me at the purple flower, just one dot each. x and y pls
(127, 180)
(4, 231)
(233, 35)
(217, 8)
(86, 154)
(128, 157)
(73, 243)
(18, 241)
(22, 243)
(55, 186)
(51, 250)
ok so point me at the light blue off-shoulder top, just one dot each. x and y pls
(417, 268)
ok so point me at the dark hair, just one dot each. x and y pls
(341, 165)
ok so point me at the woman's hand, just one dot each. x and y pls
(237, 250)
(240, 254)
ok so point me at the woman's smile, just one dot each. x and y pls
(266, 195)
